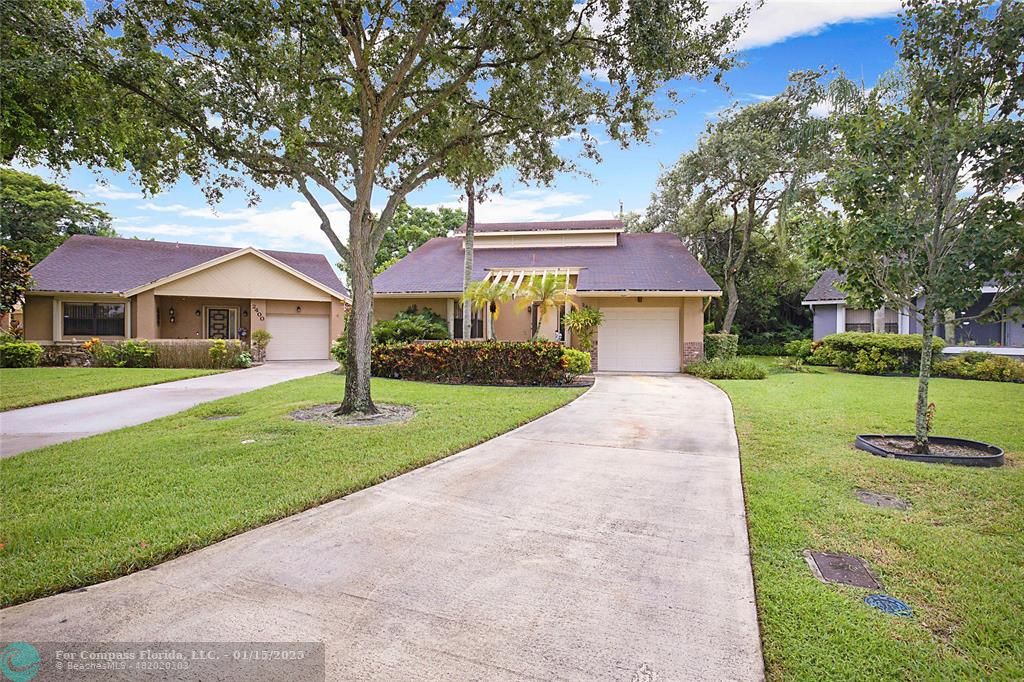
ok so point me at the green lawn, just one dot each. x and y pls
(39, 385)
(82, 512)
(957, 556)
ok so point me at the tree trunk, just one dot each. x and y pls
(360, 325)
(921, 424)
(467, 273)
(732, 302)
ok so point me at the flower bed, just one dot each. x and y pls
(518, 363)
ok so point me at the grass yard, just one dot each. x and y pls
(86, 511)
(38, 385)
(957, 557)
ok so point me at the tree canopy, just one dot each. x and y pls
(37, 216)
(348, 101)
(411, 228)
(729, 198)
(927, 168)
(15, 278)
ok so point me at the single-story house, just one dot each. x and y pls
(651, 289)
(116, 289)
(827, 302)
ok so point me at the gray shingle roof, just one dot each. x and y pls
(825, 288)
(104, 265)
(483, 228)
(640, 262)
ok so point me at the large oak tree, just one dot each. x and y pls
(361, 103)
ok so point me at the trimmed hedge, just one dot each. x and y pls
(519, 363)
(868, 353)
(735, 368)
(15, 353)
(720, 346)
(980, 366)
(577, 361)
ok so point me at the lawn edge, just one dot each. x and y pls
(129, 568)
(204, 373)
(746, 524)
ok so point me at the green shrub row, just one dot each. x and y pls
(720, 346)
(868, 353)
(520, 363)
(735, 368)
(15, 353)
(980, 366)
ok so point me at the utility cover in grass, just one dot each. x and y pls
(890, 605)
(881, 500)
(844, 569)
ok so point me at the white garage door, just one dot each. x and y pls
(298, 337)
(639, 340)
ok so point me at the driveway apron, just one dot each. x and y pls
(605, 541)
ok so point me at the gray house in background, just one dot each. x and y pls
(831, 315)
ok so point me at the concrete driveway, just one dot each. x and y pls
(606, 541)
(34, 427)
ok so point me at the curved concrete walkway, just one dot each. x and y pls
(606, 541)
(34, 427)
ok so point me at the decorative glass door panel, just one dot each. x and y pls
(221, 323)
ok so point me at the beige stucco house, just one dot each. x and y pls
(127, 288)
(651, 289)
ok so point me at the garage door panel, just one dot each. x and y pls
(298, 337)
(639, 340)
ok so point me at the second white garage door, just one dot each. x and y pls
(638, 340)
(298, 337)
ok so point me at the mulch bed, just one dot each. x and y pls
(935, 449)
(324, 414)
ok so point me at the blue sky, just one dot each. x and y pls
(784, 36)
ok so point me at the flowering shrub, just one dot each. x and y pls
(128, 353)
(522, 363)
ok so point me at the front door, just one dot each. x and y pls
(220, 323)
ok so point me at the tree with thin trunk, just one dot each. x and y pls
(467, 270)
(487, 297)
(547, 292)
(358, 104)
(929, 163)
(733, 191)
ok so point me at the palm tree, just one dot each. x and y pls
(546, 291)
(488, 295)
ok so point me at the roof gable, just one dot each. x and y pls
(641, 262)
(90, 264)
(827, 288)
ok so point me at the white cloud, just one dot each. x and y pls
(111, 191)
(779, 20)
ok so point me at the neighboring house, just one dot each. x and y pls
(831, 315)
(128, 288)
(651, 289)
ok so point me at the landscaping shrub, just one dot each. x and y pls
(734, 368)
(242, 361)
(128, 353)
(523, 363)
(14, 353)
(980, 366)
(774, 343)
(411, 325)
(258, 342)
(582, 322)
(868, 353)
(576, 361)
(339, 349)
(801, 348)
(720, 346)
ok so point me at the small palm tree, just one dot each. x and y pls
(546, 291)
(488, 295)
